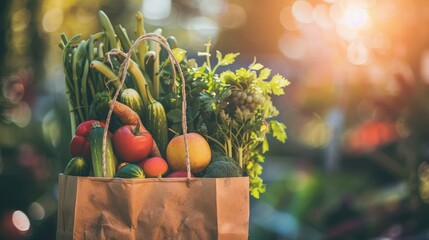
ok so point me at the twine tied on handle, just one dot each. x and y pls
(123, 71)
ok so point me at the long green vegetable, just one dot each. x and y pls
(108, 28)
(70, 91)
(142, 48)
(154, 46)
(107, 72)
(125, 41)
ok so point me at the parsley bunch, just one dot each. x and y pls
(233, 109)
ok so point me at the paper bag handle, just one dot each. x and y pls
(124, 67)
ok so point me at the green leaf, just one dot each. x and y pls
(228, 77)
(270, 110)
(278, 130)
(278, 83)
(219, 57)
(208, 101)
(264, 86)
(256, 186)
(258, 157)
(265, 146)
(249, 166)
(262, 189)
(261, 158)
(179, 54)
(264, 74)
(177, 127)
(228, 59)
(256, 66)
(175, 115)
(224, 94)
(257, 168)
(242, 73)
(203, 68)
(255, 193)
(202, 129)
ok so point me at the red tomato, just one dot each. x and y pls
(85, 128)
(79, 145)
(132, 144)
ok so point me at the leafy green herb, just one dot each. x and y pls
(232, 109)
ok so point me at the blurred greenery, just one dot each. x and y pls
(355, 165)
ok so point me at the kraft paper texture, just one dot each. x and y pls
(152, 208)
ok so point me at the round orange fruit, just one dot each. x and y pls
(154, 167)
(199, 152)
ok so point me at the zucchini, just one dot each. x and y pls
(130, 171)
(155, 46)
(142, 47)
(77, 166)
(172, 43)
(132, 99)
(156, 124)
(96, 141)
(149, 61)
(108, 29)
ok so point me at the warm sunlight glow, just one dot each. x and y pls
(321, 16)
(346, 33)
(20, 221)
(351, 14)
(355, 16)
(315, 133)
(156, 9)
(303, 11)
(287, 20)
(291, 46)
(52, 20)
(357, 53)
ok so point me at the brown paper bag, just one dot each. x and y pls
(114, 208)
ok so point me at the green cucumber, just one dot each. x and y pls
(130, 171)
(156, 124)
(77, 166)
(96, 141)
(132, 99)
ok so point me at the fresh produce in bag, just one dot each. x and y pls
(138, 88)
(186, 138)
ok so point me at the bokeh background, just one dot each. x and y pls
(356, 162)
